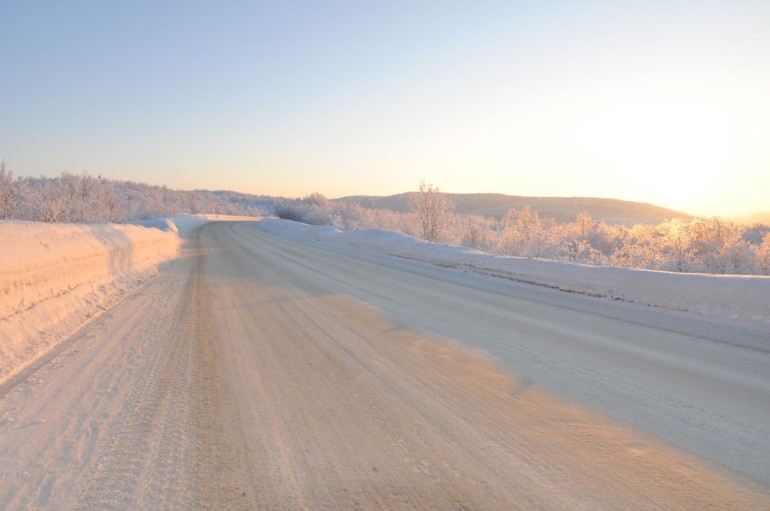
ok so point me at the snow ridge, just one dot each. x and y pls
(54, 277)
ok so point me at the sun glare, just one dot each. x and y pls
(674, 155)
(673, 147)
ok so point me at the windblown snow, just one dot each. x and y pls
(56, 277)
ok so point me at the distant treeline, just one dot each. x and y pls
(82, 198)
(708, 245)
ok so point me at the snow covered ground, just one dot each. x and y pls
(184, 225)
(295, 370)
(729, 296)
(54, 277)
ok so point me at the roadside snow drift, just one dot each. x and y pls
(732, 296)
(54, 277)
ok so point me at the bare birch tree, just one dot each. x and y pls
(434, 211)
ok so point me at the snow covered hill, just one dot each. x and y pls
(561, 209)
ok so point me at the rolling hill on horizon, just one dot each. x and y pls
(561, 209)
(757, 218)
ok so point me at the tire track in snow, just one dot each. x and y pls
(168, 444)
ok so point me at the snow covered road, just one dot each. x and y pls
(261, 372)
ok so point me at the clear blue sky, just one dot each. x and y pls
(657, 101)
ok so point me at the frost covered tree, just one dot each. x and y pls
(42, 200)
(111, 208)
(525, 234)
(6, 191)
(714, 240)
(434, 211)
(763, 255)
(584, 224)
(79, 198)
(473, 232)
(676, 238)
(635, 247)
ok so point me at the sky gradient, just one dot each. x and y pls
(663, 102)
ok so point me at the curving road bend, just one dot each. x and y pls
(261, 372)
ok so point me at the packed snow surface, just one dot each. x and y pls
(731, 296)
(278, 366)
(55, 277)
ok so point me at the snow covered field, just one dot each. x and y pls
(729, 296)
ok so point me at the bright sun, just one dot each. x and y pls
(675, 156)
(677, 149)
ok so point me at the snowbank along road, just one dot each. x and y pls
(259, 372)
